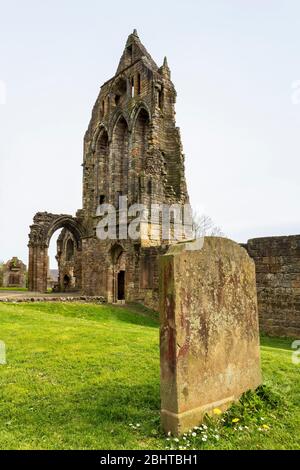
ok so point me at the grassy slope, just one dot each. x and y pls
(78, 375)
(15, 289)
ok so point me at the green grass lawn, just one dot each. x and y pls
(82, 376)
(15, 289)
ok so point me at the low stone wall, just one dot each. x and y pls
(209, 337)
(83, 299)
(277, 262)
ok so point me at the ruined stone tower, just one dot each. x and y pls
(132, 148)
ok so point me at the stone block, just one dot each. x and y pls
(209, 337)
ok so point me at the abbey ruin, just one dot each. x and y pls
(133, 148)
(14, 273)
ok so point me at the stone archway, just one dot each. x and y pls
(120, 160)
(44, 226)
(140, 145)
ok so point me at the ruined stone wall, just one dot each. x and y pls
(103, 260)
(14, 273)
(69, 263)
(44, 226)
(277, 262)
(132, 148)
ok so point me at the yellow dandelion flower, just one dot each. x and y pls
(235, 420)
(265, 426)
(217, 411)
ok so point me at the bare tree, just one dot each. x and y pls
(203, 226)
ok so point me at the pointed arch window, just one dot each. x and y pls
(161, 98)
(102, 108)
(70, 250)
(140, 140)
(138, 87)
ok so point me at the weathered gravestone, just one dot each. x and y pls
(209, 336)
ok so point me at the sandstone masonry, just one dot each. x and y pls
(277, 261)
(132, 148)
(14, 273)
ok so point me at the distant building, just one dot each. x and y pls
(14, 273)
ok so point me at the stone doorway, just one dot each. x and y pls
(121, 285)
(118, 258)
(14, 280)
(67, 281)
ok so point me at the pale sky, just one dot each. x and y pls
(234, 65)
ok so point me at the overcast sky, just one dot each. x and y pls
(234, 65)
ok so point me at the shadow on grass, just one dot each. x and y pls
(99, 407)
(277, 343)
(133, 314)
(119, 403)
